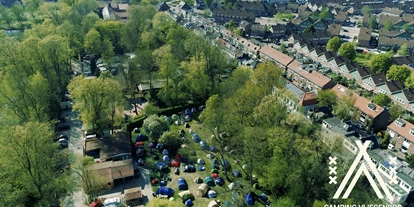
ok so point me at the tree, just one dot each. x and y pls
(372, 23)
(398, 73)
(309, 29)
(334, 44)
(6, 16)
(155, 126)
(32, 161)
(403, 51)
(283, 49)
(326, 98)
(366, 10)
(171, 140)
(93, 42)
(325, 14)
(285, 202)
(145, 64)
(18, 13)
(348, 50)
(150, 109)
(382, 100)
(410, 160)
(380, 63)
(156, 202)
(388, 25)
(98, 100)
(396, 111)
(409, 82)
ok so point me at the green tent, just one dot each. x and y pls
(214, 171)
(209, 181)
(185, 195)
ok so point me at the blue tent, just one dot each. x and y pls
(204, 145)
(201, 168)
(161, 166)
(249, 199)
(196, 138)
(182, 184)
(189, 202)
(225, 164)
(141, 138)
(163, 183)
(165, 152)
(263, 198)
(219, 181)
(236, 173)
(165, 191)
(213, 148)
(187, 112)
(189, 168)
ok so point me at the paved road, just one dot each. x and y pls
(76, 146)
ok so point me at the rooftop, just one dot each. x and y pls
(109, 146)
(276, 55)
(402, 127)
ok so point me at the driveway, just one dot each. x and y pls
(349, 33)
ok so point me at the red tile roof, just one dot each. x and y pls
(403, 131)
(276, 55)
(309, 98)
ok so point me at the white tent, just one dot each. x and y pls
(190, 131)
(232, 186)
(202, 190)
(214, 204)
(166, 158)
(212, 194)
(201, 162)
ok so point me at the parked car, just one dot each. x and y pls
(61, 136)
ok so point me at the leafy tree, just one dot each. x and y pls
(281, 15)
(396, 111)
(18, 13)
(155, 126)
(112, 31)
(283, 49)
(403, 51)
(398, 73)
(388, 25)
(309, 29)
(97, 100)
(334, 44)
(410, 160)
(156, 202)
(409, 82)
(380, 63)
(366, 10)
(93, 42)
(386, 141)
(31, 161)
(150, 109)
(324, 14)
(197, 79)
(326, 98)
(171, 140)
(348, 50)
(382, 99)
(372, 23)
(285, 202)
(145, 64)
(6, 16)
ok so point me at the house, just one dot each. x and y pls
(337, 61)
(402, 34)
(277, 31)
(308, 79)
(340, 17)
(260, 9)
(360, 74)
(390, 87)
(370, 82)
(366, 19)
(302, 24)
(267, 53)
(405, 98)
(392, 11)
(112, 171)
(406, 60)
(308, 101)
(258, 30)
(334, 29)
(386, 43)
(200, 4)
(365, 37)
(184, 6)
(320, 25)
(111, 148)
(292, 7)
(315, 38)
(402, 136)
(224, 15)
(396, 21)
(162, 6)
(347, 68)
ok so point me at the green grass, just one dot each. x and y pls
(362, 60)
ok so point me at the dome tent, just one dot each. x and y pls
(212, 194)
(198, 180)
(165, 152)
(219, 181)
(201, 168)
(193, 110)
(141, 138)
(214, 203)
(177, 171)
(202, 190)
(203, 145)
(136, 130)
(178, 122)
(200, 161)
(249, 199)
(182, 184)
(165, 158)
(189, 168)
(185, 195)
(236, 173)
(168, 119)
(209, 181)
(189, 202)
(161, 166)
(187, 112)
(174, 117)
(165, 191)
(214, 175)
(196, 138)
(213, 148)
(175, 163)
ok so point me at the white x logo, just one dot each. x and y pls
(332, 170)
(393, 160)
(332, 180)
(332, 160)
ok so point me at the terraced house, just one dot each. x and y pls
(402, 136)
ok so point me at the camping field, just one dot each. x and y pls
(194, 152)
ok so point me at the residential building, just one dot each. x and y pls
(390, 87)
(258, 31)
(396, 21)
(366, 19)
(365, 37)
(267, 53)
(402, 34)
(402, 136)
(405, 99)
(109, 148)
(260, 9)
(334, 29)
(387, 43)
(320, 25)
(113, 171)
(277, 31)
(162, 6)
(340, 17)
(308, 101)
(224, 15)
(315, 38)
(200, 4)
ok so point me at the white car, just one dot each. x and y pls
(102, 69)
(90, 136)
(112, 202)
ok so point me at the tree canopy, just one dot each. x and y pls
(348, 50)
(334, 44)
(398, 73)
(382, 100)
(380, 63)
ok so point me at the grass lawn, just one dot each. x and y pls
(362, 60)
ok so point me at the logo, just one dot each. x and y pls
(366, 162)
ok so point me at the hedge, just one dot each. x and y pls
(137, 122)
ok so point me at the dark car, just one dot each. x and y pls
(61, 136)
(63, 143)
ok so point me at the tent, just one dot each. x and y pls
(210, 156)
(187, 112)
(175, 163)
(185, 195)
(178, 122)
(193, 110)
(190, 131)
(196, 138)
(236, 173)
(189, 168)
(219, 181)
(202, 190)
(209, 181)
(249, 199)
(203, 145)
(263, 198)
(214, 175)
(165, 191)
(168, 119)
(165, 152)
(212, 194)
(213, 148)
(151, 145)
(201, 168)
(200, 108)
(163, 183)
(159, 146)
(136, 130)
(141, 138)
(189, 202)
(182, 131)
(182, 184)
(214, 171)
(139, 144)
(174, 117)
(214, 204)
(215, 161)
(232, 186)
(161, 166)
(176, 170)
(187, 118)
(140, 161)
(165, 158)
(200, 161)
(225, 164)
(198, 180)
